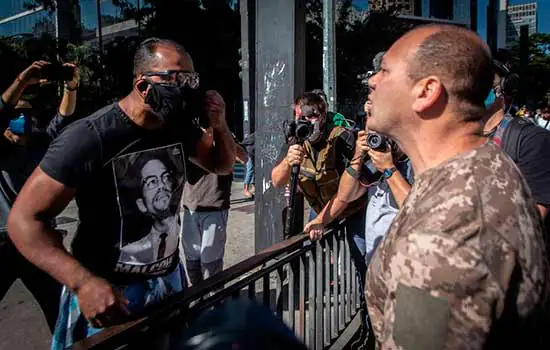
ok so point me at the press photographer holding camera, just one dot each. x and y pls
(22, 146)
(322, 150)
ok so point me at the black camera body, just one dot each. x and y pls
(298, 131)
(57, 72)
(377, 141)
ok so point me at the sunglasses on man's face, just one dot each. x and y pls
(177, 77)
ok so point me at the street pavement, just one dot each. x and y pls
(22, 325)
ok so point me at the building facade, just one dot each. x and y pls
(73, 20)
(406, 7)
(17, 19)
(517, 16)
(460, 11)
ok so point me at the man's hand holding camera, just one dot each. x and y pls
(382, 160)
(361, 147)
(73, 84)
(295, 155)
(33, 74)
(215, 109)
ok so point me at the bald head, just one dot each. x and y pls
(459, 58)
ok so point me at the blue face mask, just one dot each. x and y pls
(21, 125)
(490, 99)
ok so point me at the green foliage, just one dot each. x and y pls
(536, 75)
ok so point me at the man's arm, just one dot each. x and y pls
(241, 154)
(280, 175)
(398, 184)
(29, 76)
(216, 152)
(43, 197)
(350, 187)
(66, 107)
(399, 187)
(68, 102)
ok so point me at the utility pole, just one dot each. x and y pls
(329, 52)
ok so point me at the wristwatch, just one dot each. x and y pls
(389, 172)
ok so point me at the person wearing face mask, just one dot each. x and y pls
(523, 141)
(23, 144)
(323, 158)
(125, 166)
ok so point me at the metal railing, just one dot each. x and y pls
(311, 286)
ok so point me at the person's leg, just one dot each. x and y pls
(355, 233)
(248, 177)
(9, 271)
(45, 289)
(214, 236)
(191, 241)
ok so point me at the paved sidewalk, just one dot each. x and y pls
(22, 325)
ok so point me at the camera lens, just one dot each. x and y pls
(376, 141)
(303, 131)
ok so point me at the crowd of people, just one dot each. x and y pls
(446, 218)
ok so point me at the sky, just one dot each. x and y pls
(543, 13)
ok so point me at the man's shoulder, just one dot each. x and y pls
(532, 134)
(96, 122)
(469, 188)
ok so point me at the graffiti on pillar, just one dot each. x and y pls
(274, 79)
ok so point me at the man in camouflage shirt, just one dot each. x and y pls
(464, 264)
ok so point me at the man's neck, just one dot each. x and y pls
(427, 148)
(133, 107)
(493, 121)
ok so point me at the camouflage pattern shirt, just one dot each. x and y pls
(464, 263)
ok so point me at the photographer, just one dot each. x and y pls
(21, 148)
(323, 158)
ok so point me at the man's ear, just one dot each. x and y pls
(141, 205)
(426, 93)
(142, 87)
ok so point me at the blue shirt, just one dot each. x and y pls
(382, 208)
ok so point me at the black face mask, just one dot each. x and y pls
(166, 100)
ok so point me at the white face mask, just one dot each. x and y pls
(316, 134)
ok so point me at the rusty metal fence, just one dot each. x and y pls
(311, 286)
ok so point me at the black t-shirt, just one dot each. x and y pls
(534, 161)
(129, 183)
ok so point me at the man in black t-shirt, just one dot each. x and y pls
(95, 160)
(527, 144)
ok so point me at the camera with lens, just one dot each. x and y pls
(298, 131)
(56, 71)
(377, 142)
